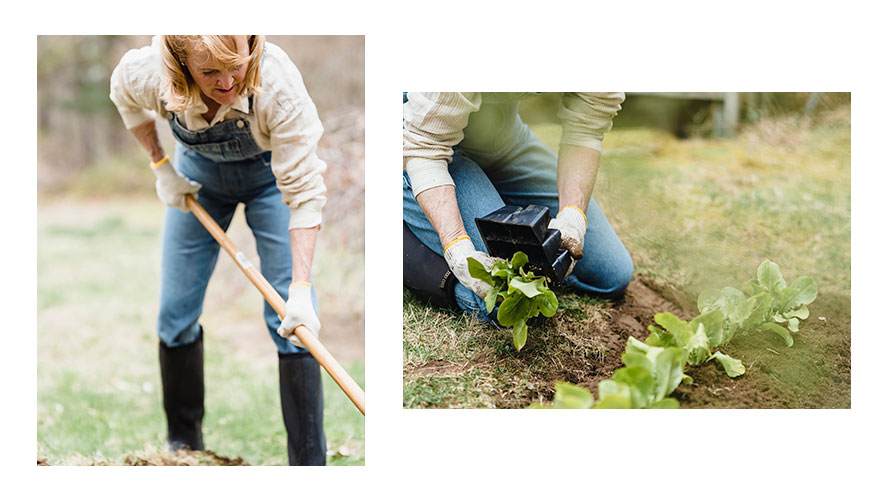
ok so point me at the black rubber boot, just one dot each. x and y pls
(301, 396)
(181, 371)
(427, 274)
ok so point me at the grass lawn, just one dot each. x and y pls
(694, 214)
(99, 393)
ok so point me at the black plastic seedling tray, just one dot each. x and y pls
(511, 229)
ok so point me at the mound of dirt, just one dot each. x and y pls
(164, 457)
(608, 326)
(583, 344)
(814, 373)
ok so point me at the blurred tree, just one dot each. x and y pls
(81, 137)
(77, 122)
(688, 116)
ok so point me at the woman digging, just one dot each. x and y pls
(246, 132)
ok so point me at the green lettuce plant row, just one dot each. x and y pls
(520, 295)
(653, 369)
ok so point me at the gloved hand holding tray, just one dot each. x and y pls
(512, 229)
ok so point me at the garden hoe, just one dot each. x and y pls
(512, 229)
(321, 354)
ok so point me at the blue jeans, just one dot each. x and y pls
(504, 163)
(190, 252)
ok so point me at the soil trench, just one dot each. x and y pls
(583, 345)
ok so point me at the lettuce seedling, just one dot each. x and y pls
(770, 303)
(520, 295)
(569, 397)
(654, 369)
(695, 338)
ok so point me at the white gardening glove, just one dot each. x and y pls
(456, 255)
(572, 224)
(299, 311)
(173, 186)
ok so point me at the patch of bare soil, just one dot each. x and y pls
(583, 345)
(608, 327)
(813, 373)
(163, 457)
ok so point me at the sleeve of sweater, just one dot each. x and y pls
(586, 116)
(299, 171)
(294, 130)
(433, 122)
(134, 85)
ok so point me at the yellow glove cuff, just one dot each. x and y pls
(161, 162)
(453, 242)
(301, 283)
(582, 212)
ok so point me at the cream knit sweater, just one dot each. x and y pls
(284, 121)
(434, 122)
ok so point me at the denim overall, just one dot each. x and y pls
(233, 169)
(501, 162)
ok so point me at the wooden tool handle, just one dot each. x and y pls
(307, 338)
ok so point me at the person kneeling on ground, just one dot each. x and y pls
(466, 154)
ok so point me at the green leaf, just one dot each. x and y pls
(665, 364)
(478, 271)
(520, 330)
(687, 380)
(784, 334)
(636, 348)
(613, 396)
(769, 277)
(754, 288)
(529, 288)
(514, 308)
(740, 307)
(607, 388)
(501, 270)
(659, 337)
(674, 325)
(760, 313)
(665, 404)
(801, 313)
(519, 260)
(524, 295)
(668, 371)
(733, 295)
(729, 332)
(794, 325)
(571, 396)
(492, 297)
(698, 348)
(636, 359)
(614, 402)
(640, 381)
(801, 292)
(713, 326)
(733, 366)
(533, 307)
(712, 299)
(547, 303)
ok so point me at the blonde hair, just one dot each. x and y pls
(180, 90)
